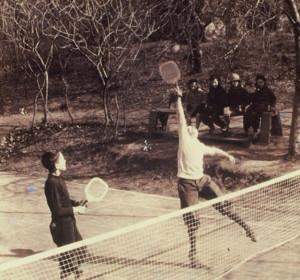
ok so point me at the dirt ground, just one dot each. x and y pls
(126, 164)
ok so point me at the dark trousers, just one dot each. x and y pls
(206, 119)
(252, 117)
(66, 232)
(201, 115)
(216, 118)
(235, 111)
(189, 192)
(213, 116)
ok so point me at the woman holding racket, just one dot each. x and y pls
(63, 224)
(193, 183)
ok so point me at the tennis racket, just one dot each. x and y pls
(170, 72)
(95, 190)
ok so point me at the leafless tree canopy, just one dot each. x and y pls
(112, 34)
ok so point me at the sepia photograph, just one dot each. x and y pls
(149, 139)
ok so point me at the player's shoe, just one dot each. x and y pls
(194, 262)
(225, 132)
(251, 235)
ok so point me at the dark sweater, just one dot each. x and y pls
(238, 96)
(263, 97)
(216, 99)
(58, 198)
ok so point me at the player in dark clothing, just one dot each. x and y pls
(262, 100)
(216, 102)
(63, 224)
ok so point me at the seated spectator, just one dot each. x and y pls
(262, 100)
(195, 101)
(237, 95)
(163, 117)
(237, 98)
(216, 102)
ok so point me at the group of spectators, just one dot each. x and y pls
(215, 107)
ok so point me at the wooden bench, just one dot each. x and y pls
(158, 120)
(270, 125)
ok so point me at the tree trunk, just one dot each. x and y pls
(293, 15)
(66, 92)
(105, 108)
(296, 102)
(45, 100)
(117, 117)
(197, 67)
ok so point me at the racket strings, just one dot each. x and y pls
(170, 72)
(96, 189)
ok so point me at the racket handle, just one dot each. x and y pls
(178, 90)
(84, 203)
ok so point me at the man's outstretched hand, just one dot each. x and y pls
(178, 91)
(173, 97)
(231, 159)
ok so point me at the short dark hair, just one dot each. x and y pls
(192, 81)
(215, 77)
(49, 159)
(261, 77)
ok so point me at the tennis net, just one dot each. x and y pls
(234, 228)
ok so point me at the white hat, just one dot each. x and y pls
(234, 77)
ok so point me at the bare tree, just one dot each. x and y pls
(25, 23)
(109, 34)
(291, 10)
(183, 21)
(64, 55)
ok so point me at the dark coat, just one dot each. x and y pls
(238, 97)
(216, 100)
(262, 98)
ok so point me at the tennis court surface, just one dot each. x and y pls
(125, 240)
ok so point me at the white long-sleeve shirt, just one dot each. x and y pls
(190, 151)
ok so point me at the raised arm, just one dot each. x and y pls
(182, 126)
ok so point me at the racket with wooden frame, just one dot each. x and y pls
(170, 74)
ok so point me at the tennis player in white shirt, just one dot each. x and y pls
(193, 183)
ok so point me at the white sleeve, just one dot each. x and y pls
(209, 150)
(182, 126)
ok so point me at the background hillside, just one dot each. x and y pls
(122, 162)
